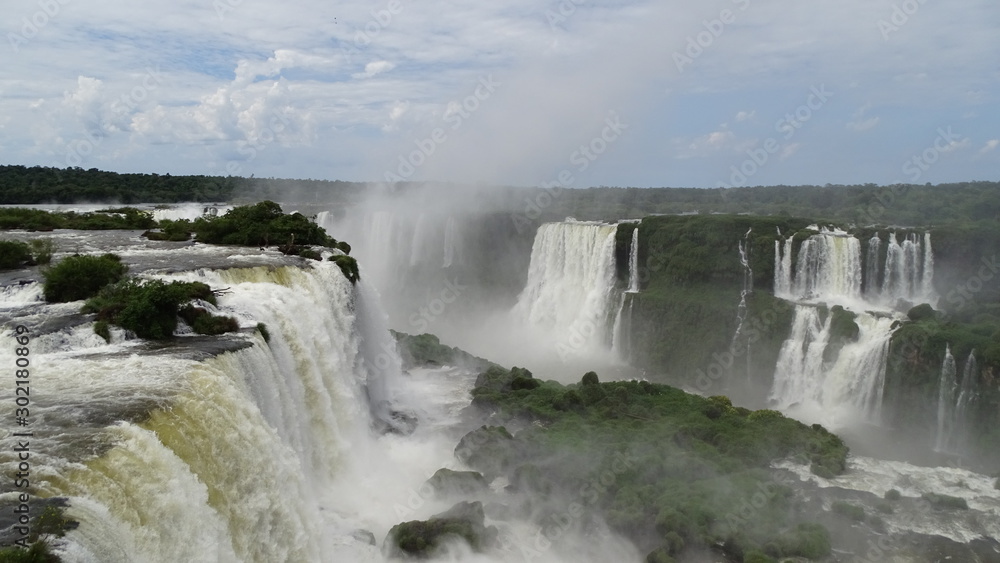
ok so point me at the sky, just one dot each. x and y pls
(645, 93)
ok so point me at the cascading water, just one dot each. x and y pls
(946, 400)
(571, 282)
(741, 309)
(873, 267)
(222, 459)
(956, 400)
(621, 344)
(799, 374)
(829, 271)
(829, 265)
(633, 262)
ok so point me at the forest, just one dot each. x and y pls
(898, 204)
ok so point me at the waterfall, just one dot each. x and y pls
(946, 399)
(783, 268)
(845, 387)
(857, 377)
(741, 308)
(570, 286)
(229, 458)
(909, 270)
(829, 266)
(799, 373)
(633, 262)
(621, 344)
(927, 282)
(968, 392)
(873, 266)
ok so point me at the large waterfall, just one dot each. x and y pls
(828, 266)
(570, 287)
(838, 385)
(231, 457)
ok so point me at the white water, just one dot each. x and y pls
(633, 262)
(878, 476)
(946, 399)
(829, 271)
(570, 287)
(236, 468)
(258, 455)
(956, 399)
(968, 392)
(829, 268)
(837, 392)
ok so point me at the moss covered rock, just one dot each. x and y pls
(421, 539)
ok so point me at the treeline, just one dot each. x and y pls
(900, 204)
(41, 185)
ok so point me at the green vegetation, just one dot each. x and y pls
(20, 184)
(348, 265)
(427, 350)
(690, 470)
(103, 329)
(50, 522)
(150, 308)
(80, 276)
(39, 220)
(179, 230)
(264, 333)
(852, 511)
(17, 254)
(449, 482)
(893, 494)
(14, 254)
(37, 552)
(261, 224)
(310, 254)
(945, 501)
(421, 539)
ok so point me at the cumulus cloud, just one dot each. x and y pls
(374, 68)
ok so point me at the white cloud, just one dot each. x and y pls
(789, 150)
(859, 122)
(990, 146)
(743, 115)
(374, 68)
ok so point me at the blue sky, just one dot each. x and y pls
(727, 92)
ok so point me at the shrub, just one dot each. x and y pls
(922, 312)
(80, 277)
(150, 308)
(310, 254)
(348, 265)
(849, 510)
(589, 378)
(102, 329)
(945, 501)
(261, 224)
(13, 254)
(38, 552)
(264, 333)
(179, 230)
(893, 494)
(204, 322)
(42, 250)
